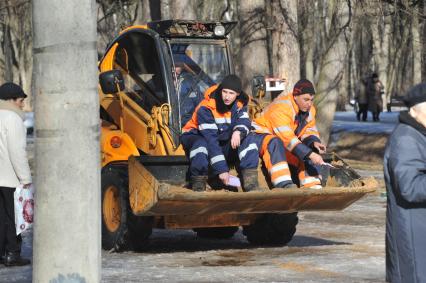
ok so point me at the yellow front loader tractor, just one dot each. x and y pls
(144, 167)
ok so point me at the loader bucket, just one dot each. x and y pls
(156, 189)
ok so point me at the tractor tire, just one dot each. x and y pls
(121, 229)
(139, 229)
(216, 232)
(272, 229)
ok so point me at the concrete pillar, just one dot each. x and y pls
(67, 227)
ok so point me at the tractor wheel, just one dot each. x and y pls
(272, 229)
(121, 229)
(216, 232)
(114, 209)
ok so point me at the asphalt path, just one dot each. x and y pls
(342, 246)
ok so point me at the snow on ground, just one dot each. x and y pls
(346, 122)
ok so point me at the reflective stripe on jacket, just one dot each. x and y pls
(297, 130)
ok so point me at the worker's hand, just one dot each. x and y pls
(224, 177)
(316, 158)
(235, 139)
(26, 186)
(320, 147)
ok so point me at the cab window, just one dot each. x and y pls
(138, 58)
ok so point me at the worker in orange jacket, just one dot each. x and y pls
(291, 118)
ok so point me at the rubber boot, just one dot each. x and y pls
(250, 181)
(198, 183)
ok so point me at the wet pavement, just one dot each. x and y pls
(343, 246)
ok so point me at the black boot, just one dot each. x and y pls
(198, 183)
(250, 181)
(15, 259)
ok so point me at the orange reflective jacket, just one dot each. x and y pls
(279, 119)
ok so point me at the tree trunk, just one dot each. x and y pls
(417, 51)
(285, 49)
(67, 221)
(155, 9)
(423, 39)
(308, 38)
(165, 9)
(350, 87)
(17, 44)
(143, 12)
(8, 54)
(183, 10)
(380, 31)
(327, 87)
(399, 44)
(333, 18)
(216, 10)
(253, 55)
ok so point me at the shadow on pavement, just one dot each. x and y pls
(306, 241)
(166, 241)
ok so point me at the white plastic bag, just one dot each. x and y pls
(24, 208)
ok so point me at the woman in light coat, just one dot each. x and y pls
(14, 169)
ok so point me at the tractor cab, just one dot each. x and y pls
(165, 63)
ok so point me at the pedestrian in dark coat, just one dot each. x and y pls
(405, 177)
(374, 91)
(362, 100)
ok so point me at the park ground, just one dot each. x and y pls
(337, 246)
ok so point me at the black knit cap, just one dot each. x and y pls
(303, 86)
(416, 95)
(232, 82)
(11, 91)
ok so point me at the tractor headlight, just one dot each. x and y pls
(219, 30)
